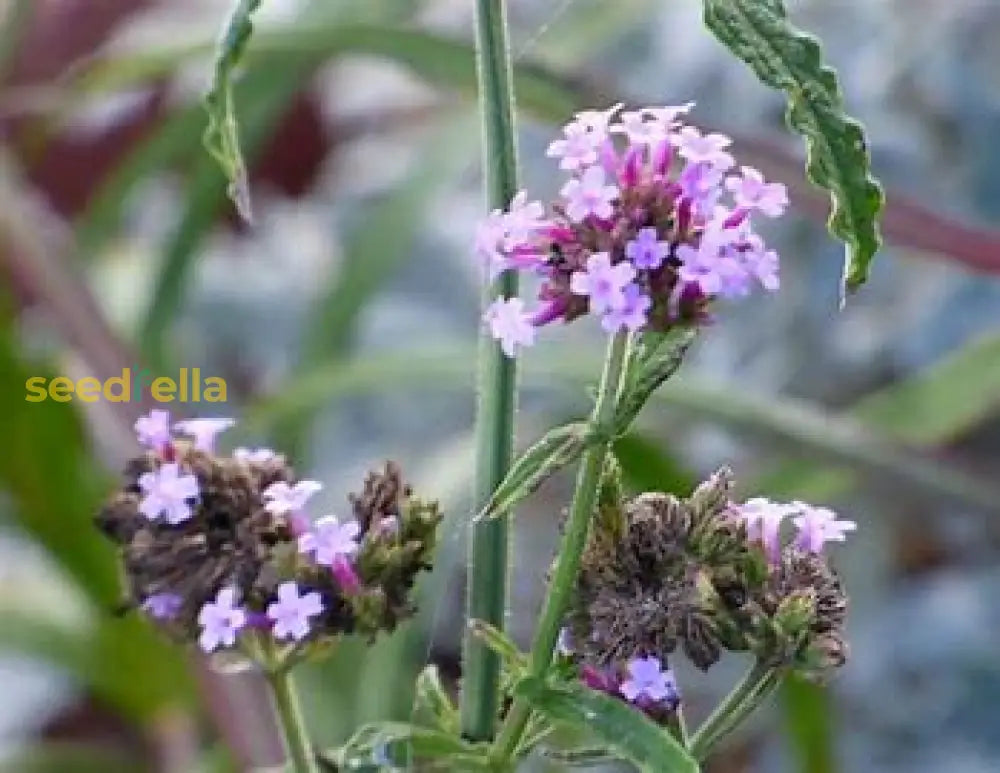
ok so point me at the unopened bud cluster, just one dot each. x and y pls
(215, 547)
(703, 575)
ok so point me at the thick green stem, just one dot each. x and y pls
(755, 686)
(488, 554)
(574, 540)
(293, 728)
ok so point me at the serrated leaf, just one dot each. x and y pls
(222, 135)
(432, 706)
(658, 360)
(837, 159)
(558, 448)
(623, 728)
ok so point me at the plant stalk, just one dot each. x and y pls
(574, 540)
(293, 728)
(746, 696)
(488, 553)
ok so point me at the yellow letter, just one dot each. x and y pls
(124, 381)
(163, 390)
(215, 390)
(61, 389)
(36, 389)
(88, 389)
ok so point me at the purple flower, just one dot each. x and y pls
(167, 494)
(588, 195)
(254, 455)
(291, 612)
(510, 324)
(667, 115)
(759, 262)
(750, 191)
(522, 221)
(639, 130)
(345, 575)
(700, 148)
(330, 540)
(153, 430)
(646, 250)
(489, 242)
(702, 184)
(648, 680)
(281, 498)
(203, 431)
(817, 526)
(577, 149)
(220, 621)
(603, 282)
(597, 121)
(632, 313)
(162, 606)
(763, 522)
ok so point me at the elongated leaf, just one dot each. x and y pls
(558, 448)
(786, 58)
(222, 136)
(621, 727)
(658, 363)
(501, 644)
(582, 758)
(389, 743)
(432, 706)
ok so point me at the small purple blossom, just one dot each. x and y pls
(153, 430)
(597, 121)
(510, 324)
(648, 680)
(817, 526)
(281, 498)
(254, 455)
(523, 220)
(603, 283)
(702, 185)
(346, 576)
(750, 191)
(589, 195)
(646, 250)
(763, 520)
(631, 314)
(162, 606)
(167, 494)
(489, 243)
(639, 130)
(699, 148)
(577, 149)
(291, 612)
(330, 539)
(220, 621)
(204, 431)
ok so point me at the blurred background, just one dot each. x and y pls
(345, 320)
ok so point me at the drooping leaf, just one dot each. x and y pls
(623, 728)
(837, 159)
(222, 135)
(558, 448)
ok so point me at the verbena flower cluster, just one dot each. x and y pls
(218, 546)
(704, 574)
(642, 235)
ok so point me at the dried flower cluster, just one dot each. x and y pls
(704, 575)
(640, 235)
(216, 546)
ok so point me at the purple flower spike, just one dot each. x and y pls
(763, 521)
(153, 430)
(204, 431)
(600, 679)
(817, 526)
(750, 191)
(220, 621)
(162, 606)
(646, 250)
(291, 612)
(648, 680)
(631, 314)
(281, 498)
(330, 540)
(588, 195)
(510, 324)
(346, 576)
(603, 282)
(167, 494)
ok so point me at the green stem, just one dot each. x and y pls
(488, 553)
(755, 686)
(574, 540)
(293, 728)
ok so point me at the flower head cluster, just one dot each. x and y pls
(653, 223)
(703, 575)
(215, 547)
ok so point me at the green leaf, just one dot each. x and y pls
(222, 136)
(501, 644)
(837, 159)
(432, 706)
(621, 727)
(401, 743)
(558, 448)
(79, 758)
(659, 359)
(587, 757)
